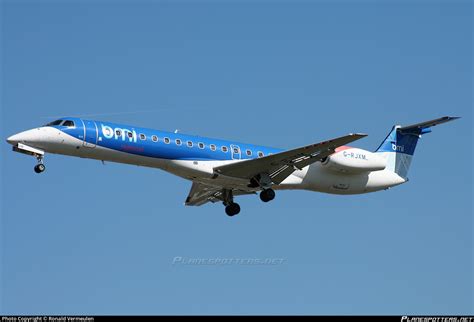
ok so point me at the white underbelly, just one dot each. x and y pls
(313, 177)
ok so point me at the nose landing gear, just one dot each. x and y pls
(40, 167)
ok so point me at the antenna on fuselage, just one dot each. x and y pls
(176, 131)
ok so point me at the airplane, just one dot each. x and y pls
(220, 170)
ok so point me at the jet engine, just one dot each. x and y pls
(353, 160)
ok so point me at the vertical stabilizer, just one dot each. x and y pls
(399, 146)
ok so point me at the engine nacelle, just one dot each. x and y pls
(353, 160)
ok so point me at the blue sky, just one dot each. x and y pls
(84, 238)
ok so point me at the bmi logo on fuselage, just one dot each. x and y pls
(119, 133)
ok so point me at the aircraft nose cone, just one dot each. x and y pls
(14, 139)
(27, 137)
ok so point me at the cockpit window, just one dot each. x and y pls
(54, 123)
(68, 123)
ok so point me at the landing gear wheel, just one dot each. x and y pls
(232, 209)
(267, 195)
(40, 168)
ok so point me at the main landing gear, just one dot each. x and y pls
(231, 208)
(264, 181)
(267, 195)
(40, 167)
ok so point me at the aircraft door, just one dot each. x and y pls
(90, 134)
(236, 153)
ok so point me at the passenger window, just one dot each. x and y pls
(178, 141)
(213, 147)
(142, 136)
(154, 138)
(68, 123)
(224, 149)
(190, 144)
(167, 140)
(130, 134)
(236, 150)
(201, 145)
(260, 154)
(118, 132)
(248, 152)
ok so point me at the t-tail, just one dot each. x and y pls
(399, 145)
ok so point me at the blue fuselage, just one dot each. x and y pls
(159, 144)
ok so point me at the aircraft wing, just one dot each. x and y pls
(201, 193)
(280, 165)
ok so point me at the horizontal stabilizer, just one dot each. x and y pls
(415, 128)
